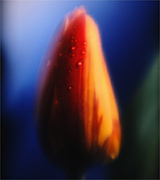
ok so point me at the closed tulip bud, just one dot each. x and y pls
(78, 120)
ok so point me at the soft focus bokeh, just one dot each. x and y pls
(130, 39)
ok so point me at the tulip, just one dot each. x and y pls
(77, 115)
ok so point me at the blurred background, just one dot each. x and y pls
(130, 39)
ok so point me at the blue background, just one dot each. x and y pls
(129, 33)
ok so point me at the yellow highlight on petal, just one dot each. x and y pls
(99, 85)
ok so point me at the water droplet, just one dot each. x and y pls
(59, 43)
(84, 42)
(70, 70)
(72, 37)
(75, 40)
(79, 63)
(60, 54)
(56, 102)
(71, 40)
(48, 62)
(72, 55)
(73, 48)
(83, 51)
(73, 33)
(70, 87)
(75, 27)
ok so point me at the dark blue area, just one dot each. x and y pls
(129, 32)
(130, 43)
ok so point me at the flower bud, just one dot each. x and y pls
(78, 119)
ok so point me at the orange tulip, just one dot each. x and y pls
(78, 118)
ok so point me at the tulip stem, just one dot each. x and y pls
(82, 178)
(75, 175)
(76, 178)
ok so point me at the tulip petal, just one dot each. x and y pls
(77, 107)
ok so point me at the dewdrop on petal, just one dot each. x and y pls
(77, 115)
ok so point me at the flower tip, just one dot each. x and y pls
(76, 12)
(73, 15)
(79, 10)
